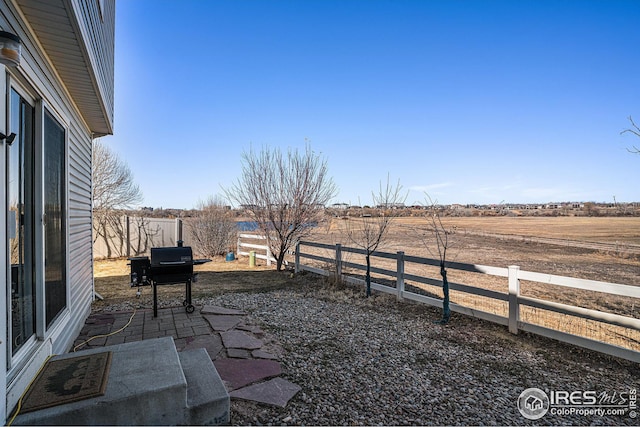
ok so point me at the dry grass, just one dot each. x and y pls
(590, 229)
(111, 278)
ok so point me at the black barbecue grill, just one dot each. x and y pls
(167, 266)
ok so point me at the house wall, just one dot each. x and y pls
(39, 76)
(96, 22)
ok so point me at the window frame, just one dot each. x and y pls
(16, 362)
(64, 124)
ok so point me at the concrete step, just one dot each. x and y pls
(147, 385)
(208, 402)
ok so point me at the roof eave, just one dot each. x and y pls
(69, 54)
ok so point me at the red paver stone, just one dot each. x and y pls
(261, 354)
(251, 328)
(239, 339)
(237, 373)
(222, 322)
(277, 392)
(213, 309)
(240, 353)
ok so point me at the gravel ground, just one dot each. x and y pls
(375, 361)
(379, 362)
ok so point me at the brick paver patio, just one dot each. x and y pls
(222, 332)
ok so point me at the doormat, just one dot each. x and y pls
(68, 380)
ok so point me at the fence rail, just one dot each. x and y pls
(508, 305)
(253, 237)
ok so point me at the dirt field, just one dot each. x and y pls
(411, 235)
(625, 230)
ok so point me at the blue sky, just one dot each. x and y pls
(470, 101)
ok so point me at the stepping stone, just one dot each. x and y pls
(239, 353)
(211, 343)
(251, 328)
(214, 309)
(222, 322)
(238, 373)
(276, 392)
(239, 339)
(261, 354)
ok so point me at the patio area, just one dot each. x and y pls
(248, 366)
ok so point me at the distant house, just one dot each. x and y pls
(56, 100)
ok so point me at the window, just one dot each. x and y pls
(55, 250)
(36, 221)
(20, 197)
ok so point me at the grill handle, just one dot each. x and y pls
(172, 262)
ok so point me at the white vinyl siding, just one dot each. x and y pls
(84, 110)
(98, 28)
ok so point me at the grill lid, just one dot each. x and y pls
(171, 256)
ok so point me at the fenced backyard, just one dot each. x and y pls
(594, 314)
(606, 319)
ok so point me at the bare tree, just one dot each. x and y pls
(635, 130)
(113, 191)
(113, 185)
(442, 236)
(591, 209)
(285, 195)
(369, 230)
(212, 228)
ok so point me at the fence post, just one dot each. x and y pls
(297, 257)
(238, 245)
(128, 237)
(268, 254)
(338, 262)
(400, 275)
(514, 293)
(268, 249)
(178, 230)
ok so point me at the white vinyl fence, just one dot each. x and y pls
(133, 236)
(611, 333)
(244, 247)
